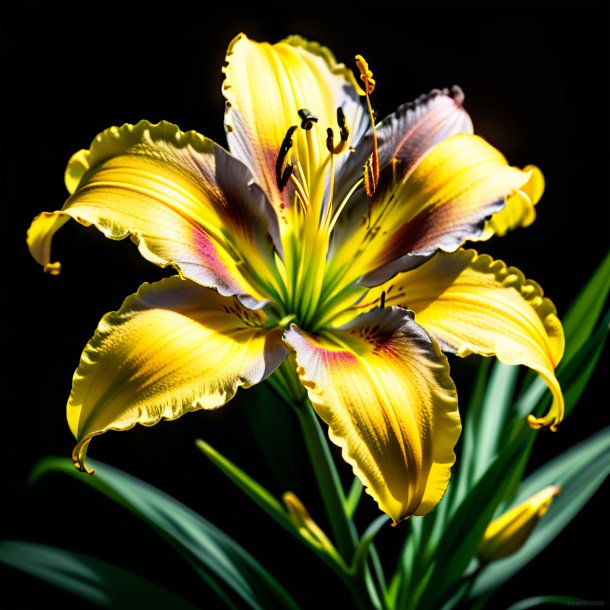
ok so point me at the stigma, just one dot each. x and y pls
(371, 167)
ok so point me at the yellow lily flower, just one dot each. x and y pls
(322, 241)
(509, 532)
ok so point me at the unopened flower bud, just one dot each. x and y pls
(506, 534)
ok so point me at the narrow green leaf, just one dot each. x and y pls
(466, 527)
(353, 497)
(407, 567)
(545, 600)
(92, 579)
(582, 316)
(579, 472)
(209, 550)
(329, 483)
(581, 367)
(365, 542)
(471, 425)
(493, 416)
(247, 484)
(578, 324)
(260, 496)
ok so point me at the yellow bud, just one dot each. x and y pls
(508, 533)
(304, 524)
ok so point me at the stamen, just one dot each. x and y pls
(300, 192)
(301, 173)
(307, 119)
(366, 76)
(343, 134)
(330, 140)
(283, 169)
(371, 167)
(382, 300)
(371, 174)
(343, 126)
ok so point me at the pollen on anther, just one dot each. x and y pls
(366, 75)
(283, 169)
(307, 119)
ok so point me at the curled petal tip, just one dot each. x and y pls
(78, 457)
(400, 520)
(457, 94)
(52, 268)
(543, 422)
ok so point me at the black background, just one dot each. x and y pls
(536, 83)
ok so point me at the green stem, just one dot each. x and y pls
(364, 590)
(328, 481)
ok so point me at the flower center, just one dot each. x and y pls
(306, 164)
(309, 172)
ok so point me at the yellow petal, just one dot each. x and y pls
(172, 348)
(404, 137)
(265, 87)
(519, 210)
(383, 388)
(507, 533)
(183, 199)
(473, 304)
(445, 201)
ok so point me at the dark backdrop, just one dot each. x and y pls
(536, 84)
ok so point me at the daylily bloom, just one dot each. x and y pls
(507, 533)
(320, 242)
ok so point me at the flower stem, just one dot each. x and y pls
(328, 481)
(363, 586)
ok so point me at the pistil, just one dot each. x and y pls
(371, 167)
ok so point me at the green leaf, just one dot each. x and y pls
(460, 479)
(579, 370)
(544, 600)
(247, 484)
(582, 316)
(485, 423)
(214, 555)
(578, 324)
(260, 496)
(353, 497)
(579, 472)
(92, 579)
(465, 528)
(363, 547)
(493, 415)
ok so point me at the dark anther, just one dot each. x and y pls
(343, 128)
(382, 300)
(307, 119)
(283, 169)
(330, 140)
(285, 176)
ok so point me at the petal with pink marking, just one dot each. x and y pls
(447, 199)
(473, 304)
(172, 348)
(182, 198)
(383, 387)
(405, 136)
